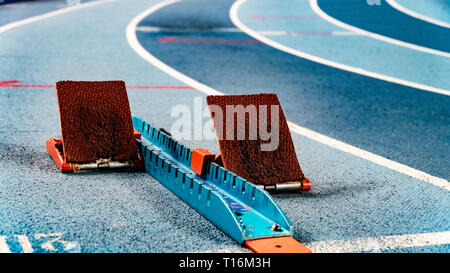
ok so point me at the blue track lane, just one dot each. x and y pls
(18, 10)
(436, 9)
(385, 20)
(403, 63)
(96, 212)
(400, 123)
(131, 212)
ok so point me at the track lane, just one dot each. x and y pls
(325, 215)
(95, 212)
(384, 20)
(419, 16)
(404, 66)
(384, 118)
(435, 9)
(131, 212)
(20, 10)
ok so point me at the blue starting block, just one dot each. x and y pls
(239, 208)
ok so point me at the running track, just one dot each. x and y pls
(117, 212)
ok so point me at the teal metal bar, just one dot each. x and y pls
(235, 205)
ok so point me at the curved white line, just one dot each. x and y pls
(339, 145)
(414, 14)
(366, 244)
(338, 23)
(51, 14)
(377, 244)
(236, 21)
(134, 43)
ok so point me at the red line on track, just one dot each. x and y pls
(27, 85)
(205, 41)
(13, 84)
(8, 82)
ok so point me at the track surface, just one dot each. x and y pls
(355, 205)
(381, 117)
(385, 20)
(438, 10)
(309, 33)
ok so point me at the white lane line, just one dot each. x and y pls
(24, 243)
(376, 244)
(379, 160)
(339, 145)
(155, 29)
(51, 14)
(414, 14)
(226, 250)
(188, 30)
(341, 24)
(136, 46)
(235, 19)
(4, 248)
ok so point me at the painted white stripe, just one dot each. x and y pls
(4, 248)
(299, 33)
(136, 46)
(24, 243)
(379, 160)
(51, 14)
(235, 19)
(167, 29)
(154, 29)
(344, 33)
(377, 244)
(226, 250)
(414, 14)
(341, 24)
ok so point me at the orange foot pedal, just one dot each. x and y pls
(255, 141)
(285, 244)
(96, 127)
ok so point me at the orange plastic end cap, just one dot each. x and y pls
(285, 244)
(54, 147)
(136, 134)
(306, 184)
(199, 159)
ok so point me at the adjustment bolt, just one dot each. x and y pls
(276, 227)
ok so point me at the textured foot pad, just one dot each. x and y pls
(95, 121)
(245, 157)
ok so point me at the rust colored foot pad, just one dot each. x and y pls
(246, 157)
(95, 121)
(277, 245)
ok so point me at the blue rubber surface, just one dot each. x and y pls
(385, 118)
(132, 212)
(385, 20)
(12, 11)
(325, 40)
(99, 212)
(436, 9)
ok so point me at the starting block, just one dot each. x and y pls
(245, 212)
(96, 127)
(98, 132)
(274, 170)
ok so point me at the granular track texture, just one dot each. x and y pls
(95, 121)
(245, 157)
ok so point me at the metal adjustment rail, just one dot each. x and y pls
(243, 211)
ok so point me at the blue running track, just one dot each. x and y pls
(355, 205)
(385, 20)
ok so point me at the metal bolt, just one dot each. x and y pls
(276, 227)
